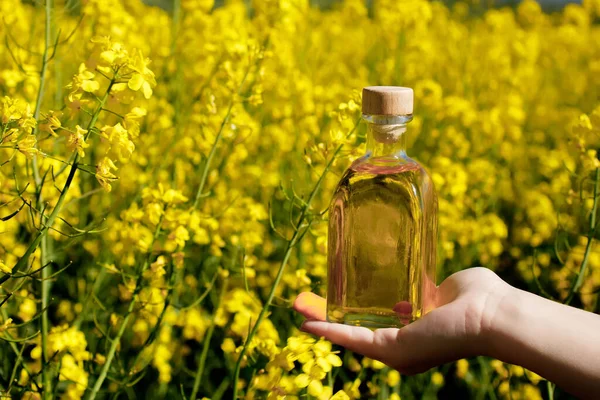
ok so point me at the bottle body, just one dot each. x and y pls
(382, 240)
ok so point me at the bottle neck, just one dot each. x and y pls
(386, 135)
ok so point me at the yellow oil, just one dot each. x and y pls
(382, 243)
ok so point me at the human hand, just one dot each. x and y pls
(458, 327)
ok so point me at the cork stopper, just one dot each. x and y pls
(387, 100)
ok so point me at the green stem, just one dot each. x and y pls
(291, 244)
(213, 149)
(206, 344)
(14, 370)
(263, 312)
(19, 359)
(41, 238)
(588, 248)
(154, 332)
(42, 88)
(117, 339)
(220, 390)
(550, 387)
(86, 303)
(46, 375)
(46, 372)
(61, 199)
(211, 154)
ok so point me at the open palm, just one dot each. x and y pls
(465, 305)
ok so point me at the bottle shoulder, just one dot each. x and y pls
(400, 161)
(388, 166)
(378, 174)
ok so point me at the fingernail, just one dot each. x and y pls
(302, 327)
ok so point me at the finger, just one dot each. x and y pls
(374, 344)
(311, 306)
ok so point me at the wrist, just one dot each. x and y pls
(551, 339)
(503, 315)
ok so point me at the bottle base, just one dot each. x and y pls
(367, 319)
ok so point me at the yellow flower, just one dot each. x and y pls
(202, 5)
(504, 388)
(132, 119)
(154, 211)
(75, 103)
(27, 309)
(283, 359)
(65, 338)
(228, 345)
(159, 264)
(100, 359)
(377, 365)
(393, 378)
(531, 392)
(324, 357)
(104, 174)
(36, 353)
(142, 77)
(82, 82)
(108, 55)
(10, 112)
(167, 196)
(277, 385)
(179, 236)
(517, 370)
(301, 348)
(51, 123)
(340, 395)
(498, 366)
(74, 372)
(17, 112)
(437, 379)
(353, 388)
(533, 377)
(161, 361)
(6, 324)
(311, 379)
(76, 141)
(156, 272)
(178, 259)
(462, 367)
(5, 268)
(194, 324)
(27, 146)
(119, 140)
(65, 310)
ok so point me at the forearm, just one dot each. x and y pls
(558, 342)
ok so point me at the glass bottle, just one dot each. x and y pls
(382, 224)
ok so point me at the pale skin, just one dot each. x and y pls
(477, 313)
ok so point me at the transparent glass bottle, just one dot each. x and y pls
(382, 224)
